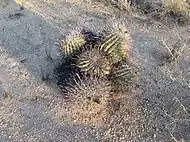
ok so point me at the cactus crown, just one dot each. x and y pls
(94, 62)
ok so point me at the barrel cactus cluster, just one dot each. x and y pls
(101, 69)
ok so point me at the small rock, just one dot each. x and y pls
(1, 93)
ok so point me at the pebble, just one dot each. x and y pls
(1, 93)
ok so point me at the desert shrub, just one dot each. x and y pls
(177, 10)
(126, 5)
(167, 11)
(175, 6)
(121, 4)
(88, 99)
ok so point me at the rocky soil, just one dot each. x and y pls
(31, 104)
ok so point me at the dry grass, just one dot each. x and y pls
(171, 62)
(167, 11)
(176, 11)
(121, 4)
(126, 5)
(176, 6)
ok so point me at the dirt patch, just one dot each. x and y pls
(158, 110)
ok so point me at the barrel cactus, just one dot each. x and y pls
(116, 42)
(94, 62)
(72, 42)
(121, 76)
(88, 99)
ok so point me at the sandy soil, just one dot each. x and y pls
(31, 110)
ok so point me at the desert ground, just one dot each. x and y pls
(31, 103)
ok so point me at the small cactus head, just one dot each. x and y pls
(123, 33)
(116, 42)
(72, 43)
(121, 76)
(94, 62)
(88, 99)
